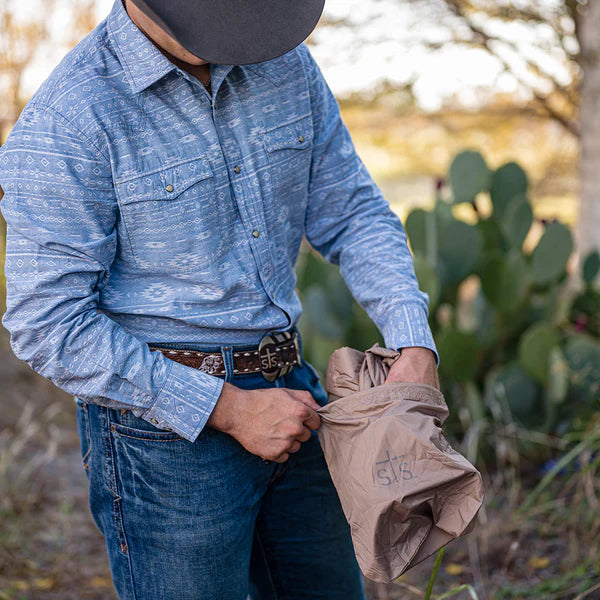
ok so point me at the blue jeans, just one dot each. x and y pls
(209, 520)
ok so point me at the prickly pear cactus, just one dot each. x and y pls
(535, 349)
(516, 221)
(469, 175)
(507, 182)
(508, 333)
(504, 279)
(550, 256)
(591, 267)
(583, 357)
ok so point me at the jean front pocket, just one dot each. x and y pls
(170, 216)
(155, 466)
(124, 423)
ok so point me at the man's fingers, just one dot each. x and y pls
(296, 445)
(306, 435)
(314, 421)
(310, 417)
(304, 397)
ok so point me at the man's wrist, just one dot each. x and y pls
(226, 409)
(416, 351)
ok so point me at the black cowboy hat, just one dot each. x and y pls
(235, 32)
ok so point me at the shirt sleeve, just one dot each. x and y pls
(351, 224)
(61, 211)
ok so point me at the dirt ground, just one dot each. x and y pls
(50, 548)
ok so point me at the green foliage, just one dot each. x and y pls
(459, 249)
(428, 278)
(535, 347)
(591, 267)
(508, 182)
(331, 318)
(585, 311)
(516, 221)
(504, 279)
(510, 384)
(519, 348)
(583, 357)
(519, 342)
(458, 354)
(469, 175)
(549, 259)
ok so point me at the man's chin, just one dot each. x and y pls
(198, 63)
(192, 59)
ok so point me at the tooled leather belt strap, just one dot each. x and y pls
(276, 354)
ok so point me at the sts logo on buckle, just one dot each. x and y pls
(271, 363)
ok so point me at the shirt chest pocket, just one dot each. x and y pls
(288, 149)
(168, 216)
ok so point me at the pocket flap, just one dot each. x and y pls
(164, 184)
(295, 134)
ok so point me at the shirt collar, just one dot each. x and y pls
(141, 60)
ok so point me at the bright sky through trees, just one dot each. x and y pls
(377, 40)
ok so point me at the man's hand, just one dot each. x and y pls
(415, 364)
(270, 423)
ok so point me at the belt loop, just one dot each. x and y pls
(299, 341)
(227, 354)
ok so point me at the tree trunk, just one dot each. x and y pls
(588, 227)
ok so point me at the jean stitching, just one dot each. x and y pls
(88, 437)
(177, 439)
(109, 465)
(85, 465)
(118, 515)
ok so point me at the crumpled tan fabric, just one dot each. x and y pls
(404, 490)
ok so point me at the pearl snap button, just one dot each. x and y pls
(301, 138)
(169, 188)
(256, 233)
(236, 169)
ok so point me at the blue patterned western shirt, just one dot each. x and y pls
(143, 209)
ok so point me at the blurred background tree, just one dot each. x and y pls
(554, 68)
(569, 29)
(23, 40)
(25, 37)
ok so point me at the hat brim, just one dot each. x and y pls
(235, 32)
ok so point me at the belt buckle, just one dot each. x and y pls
(270, 366)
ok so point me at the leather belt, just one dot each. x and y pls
(276, 354)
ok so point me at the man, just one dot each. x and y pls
(153, 224)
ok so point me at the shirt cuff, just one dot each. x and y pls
(185, 401)
(406, 326)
